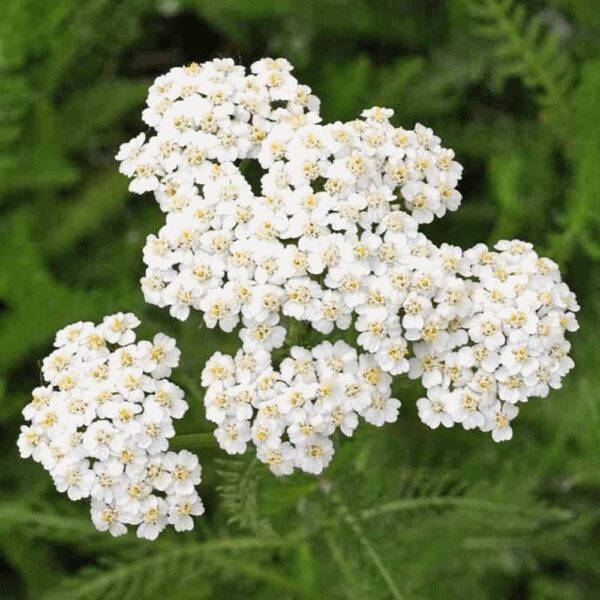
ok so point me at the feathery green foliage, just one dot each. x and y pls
(403, 512)
(524, 48)
(239, 480)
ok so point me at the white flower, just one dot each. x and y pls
(160, 356)
(107, 517)
(434, 410)
(145, 174)
(97, 439)
(118, 329)
(32, 442)
(422, 199)
(233, 435)
(156, 428)
(76, 479)
(153, 513)
(214, 219)
(169, 396)
(391, 356)
(219, 368)
(219, 309)
(299, 365)
(185, 471)
(315, 394)
(280, 458)
(467, 408)
(129, 153)
(381, 410)
(264, 335)
(498, 421)
(314, 454)
(182, 509)
(487, 330)
(181, 296)
(376, 328)
(426, 365)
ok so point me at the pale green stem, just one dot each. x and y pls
(192, 440)
(370, 551)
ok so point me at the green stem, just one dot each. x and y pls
(370, 551)
(297, 332)
(192, 440)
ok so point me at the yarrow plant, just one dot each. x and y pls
(328, 233)
(278, 226)
(101, 427)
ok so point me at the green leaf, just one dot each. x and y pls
(94, 110)
(580, 221)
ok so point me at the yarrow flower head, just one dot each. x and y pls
(272, 216)
(508, 345)
(297, 243)
(101, 427)
(291, 413)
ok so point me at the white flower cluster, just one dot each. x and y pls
(291, 413)
(484, 330)
(491, 337)
(302, 243)
(102, 424)
(271, 214)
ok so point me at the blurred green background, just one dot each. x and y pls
(403, 512)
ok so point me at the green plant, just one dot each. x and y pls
(514, 87)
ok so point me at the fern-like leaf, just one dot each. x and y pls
(160, 570)
(523, 48)
(238, 491)
(580, 222)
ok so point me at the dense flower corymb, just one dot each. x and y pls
(101, 427)
(291, 413)
(324, 189)
(270, 213)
